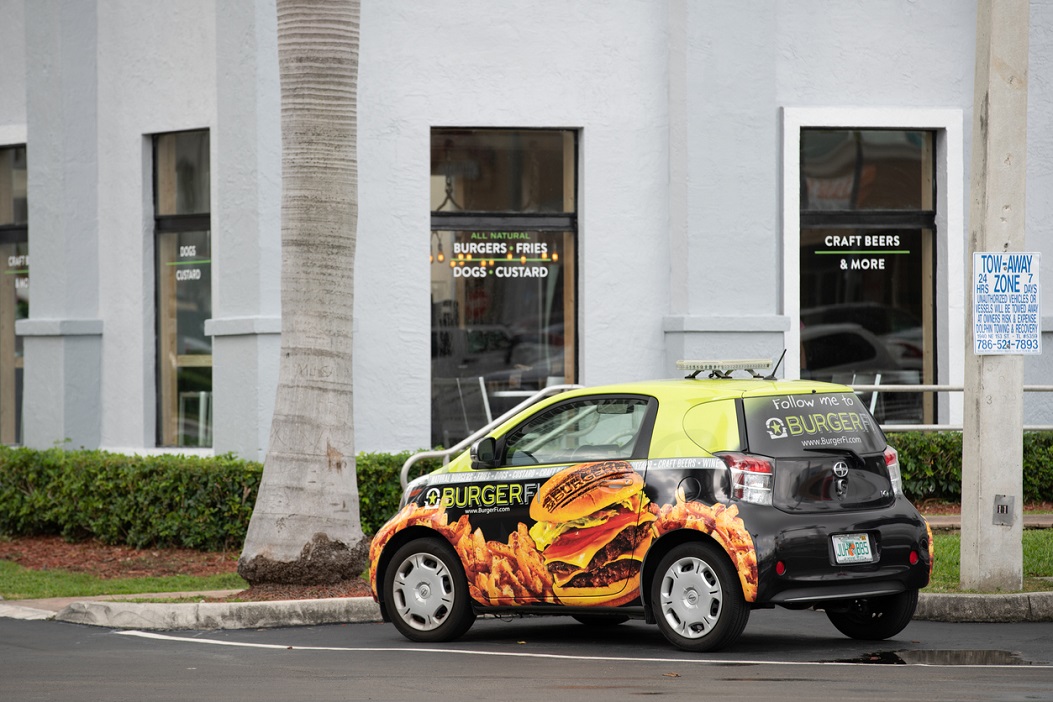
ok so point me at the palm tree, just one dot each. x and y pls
(305, 527)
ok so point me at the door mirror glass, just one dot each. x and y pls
(483, 453)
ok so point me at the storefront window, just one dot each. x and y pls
(14, 287)
(868, 264)
(503, 262)
(184, 289)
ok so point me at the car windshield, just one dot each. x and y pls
(787, 425)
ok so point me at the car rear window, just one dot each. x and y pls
(786, 425)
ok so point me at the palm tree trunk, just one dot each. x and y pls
(305, 527)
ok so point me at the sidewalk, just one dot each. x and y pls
(116, 611)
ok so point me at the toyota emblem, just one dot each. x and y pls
(841, 469)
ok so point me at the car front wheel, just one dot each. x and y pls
(697, 599)
(876, 618)
(426, 592)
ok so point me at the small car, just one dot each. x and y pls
(687, 503)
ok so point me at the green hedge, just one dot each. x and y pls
(931, 463)
(168, 500)
(202, 503)
(205, 503)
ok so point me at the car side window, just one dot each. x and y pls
(579, 430)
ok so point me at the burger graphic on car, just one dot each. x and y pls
(592, 530)
(685, 503)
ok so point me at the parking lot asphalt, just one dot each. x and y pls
(131, 612)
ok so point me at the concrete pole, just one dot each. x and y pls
(992, 440)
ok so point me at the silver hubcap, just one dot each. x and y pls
(691, 598)
(423, 591)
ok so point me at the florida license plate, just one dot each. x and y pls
(852, 548)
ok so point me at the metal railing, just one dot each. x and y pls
(471, 439)
(935, 389)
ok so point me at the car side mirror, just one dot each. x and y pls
(484, 453)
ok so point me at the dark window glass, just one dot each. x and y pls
(14, 305)
(13, 204)
(850, 169)
(182, 173)
(502, 170)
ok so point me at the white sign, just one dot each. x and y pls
(1006, 319)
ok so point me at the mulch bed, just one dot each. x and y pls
(108, 562)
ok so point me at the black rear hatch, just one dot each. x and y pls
(827, 452)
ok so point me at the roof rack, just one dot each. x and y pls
(723, 369)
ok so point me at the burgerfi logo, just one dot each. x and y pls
(817, 423)
(486, 495)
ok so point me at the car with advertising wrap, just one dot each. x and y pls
(687, 503)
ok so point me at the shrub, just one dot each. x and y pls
(931, 464)
(167, 500)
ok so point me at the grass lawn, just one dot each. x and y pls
(18, 583)
(1038, 561)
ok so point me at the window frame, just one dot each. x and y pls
(949, 224)
(165, 224)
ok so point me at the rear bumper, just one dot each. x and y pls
(803, 545)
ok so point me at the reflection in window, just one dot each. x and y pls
(14, 287)
(184, 289)
(501, 170)
(588, 430)
(868, 263)
(854, 169)
(502, 255)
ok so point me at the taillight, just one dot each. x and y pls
(751, 477)
(894, 475)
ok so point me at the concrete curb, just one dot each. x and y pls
(1006, 608)
(1010, 607)
(221, 615)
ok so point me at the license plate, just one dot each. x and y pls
(852, 548)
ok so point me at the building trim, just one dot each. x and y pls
(243, 326)
(58, 327)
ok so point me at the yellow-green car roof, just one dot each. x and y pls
(681, 429)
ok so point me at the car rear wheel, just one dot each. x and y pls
(697, 599)
(426, 592)
(876, 618)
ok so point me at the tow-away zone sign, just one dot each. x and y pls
(1006, 317)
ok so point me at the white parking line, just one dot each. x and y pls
(556, 656)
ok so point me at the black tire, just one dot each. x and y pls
(876, 618)
(426, 593)
(601, 620)
(697, 599)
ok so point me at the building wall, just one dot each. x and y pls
(682, 108)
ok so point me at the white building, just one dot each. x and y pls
(663, 179)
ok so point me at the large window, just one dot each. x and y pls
(184, 288)
(868, 263)
(14, 287)
(503, 258)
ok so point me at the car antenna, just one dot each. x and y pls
(771, 376)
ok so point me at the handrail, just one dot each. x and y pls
(471, 439)
(941, 388)
(933, 388)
